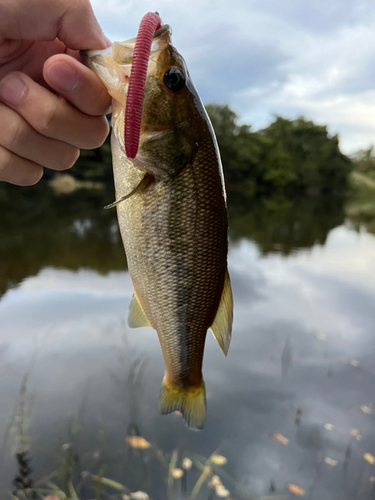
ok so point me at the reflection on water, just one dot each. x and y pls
(282, 225)
(70, 232)
(291, 407)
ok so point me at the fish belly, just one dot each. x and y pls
(175, 238)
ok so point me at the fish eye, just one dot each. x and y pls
(174, 79)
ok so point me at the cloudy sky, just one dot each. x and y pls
(289, 57)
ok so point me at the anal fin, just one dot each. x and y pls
(137, 316)
(221, 327)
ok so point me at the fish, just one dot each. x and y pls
(172, 214)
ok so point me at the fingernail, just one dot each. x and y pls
(12, 90)
(63, 76)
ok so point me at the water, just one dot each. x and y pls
(75, 381)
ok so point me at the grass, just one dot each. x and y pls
(60, 485)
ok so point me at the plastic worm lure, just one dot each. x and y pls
(150, 23)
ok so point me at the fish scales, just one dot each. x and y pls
(182, 265)
(171, 209)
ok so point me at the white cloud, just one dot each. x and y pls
(301, 59)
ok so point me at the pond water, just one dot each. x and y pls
(292, 407)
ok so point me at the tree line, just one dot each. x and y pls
(287, 157)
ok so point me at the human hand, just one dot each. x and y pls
(50, 103)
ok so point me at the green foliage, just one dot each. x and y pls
(95, 164)
(41, 229)
(241, 149)
(289, 156)
(364, 161)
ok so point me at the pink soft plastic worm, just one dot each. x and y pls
(150, 23)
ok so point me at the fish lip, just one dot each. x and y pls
(88, 55)
(163, 29)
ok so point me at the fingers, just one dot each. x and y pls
(72, 21)
(18, 170)
(80, 35)
(24, 152)
(51, 115)
(77, 84)
(18, 137)
(37, 127)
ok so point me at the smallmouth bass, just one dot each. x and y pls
(172, 215)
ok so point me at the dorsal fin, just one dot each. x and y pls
(221, 328)
(137, 316)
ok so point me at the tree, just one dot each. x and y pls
(289, 156)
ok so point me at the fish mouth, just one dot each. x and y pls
(88, 55)
(122, 52)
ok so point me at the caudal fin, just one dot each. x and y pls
(190, 402)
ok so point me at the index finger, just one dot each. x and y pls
(71, 21)
(77, 84)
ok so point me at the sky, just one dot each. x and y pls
(265, 57)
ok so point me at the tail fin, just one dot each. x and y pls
(190, 402)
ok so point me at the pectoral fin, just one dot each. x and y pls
(137, 316)
(142, 184)
(221, 328)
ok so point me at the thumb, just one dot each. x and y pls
(79, 29)
(72, 21)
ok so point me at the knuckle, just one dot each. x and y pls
(14, 134)
(5, 160)
(48, 120)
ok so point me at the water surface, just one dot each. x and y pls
(76, 381)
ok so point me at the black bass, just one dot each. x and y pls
(172, 215)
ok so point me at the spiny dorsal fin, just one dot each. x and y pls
(137, 316)
(191, 402)
(221, 328)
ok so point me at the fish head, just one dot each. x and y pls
(173, 116)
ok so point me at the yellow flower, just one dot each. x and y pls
(221, 491)
(296, 490)
(215, 482)
(218, 460)
(177, 473)
(138, 442)
(370, 458)
(187, 463)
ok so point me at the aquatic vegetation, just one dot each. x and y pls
(60, 484)
(185, 475)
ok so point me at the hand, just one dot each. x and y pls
(50, 103)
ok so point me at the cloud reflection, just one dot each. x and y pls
(75, 321)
